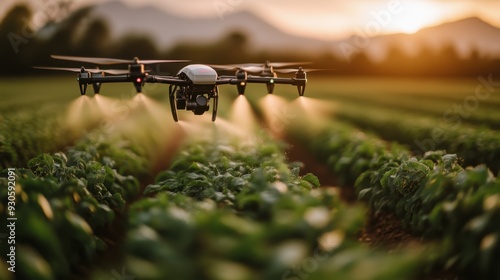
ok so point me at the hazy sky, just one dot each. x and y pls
(327, 19)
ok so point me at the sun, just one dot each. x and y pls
(415, 15)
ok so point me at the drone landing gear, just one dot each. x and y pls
(171, 91)
(216, 103)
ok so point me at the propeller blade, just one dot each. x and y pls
(112, 71)
(285, 64)
(162, 61)
(108, 61)
(95, 60)
(253, 69)
(273, 64)
(78, 70)
(225, 67)
(59, 68)
(246, 67)
(292, 70)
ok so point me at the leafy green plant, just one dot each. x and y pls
(433, 195)
(65, 206)
(26, 134)
(473, 144)
(231, 211)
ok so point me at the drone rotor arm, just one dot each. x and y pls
(227, 80)
(271, 80)
(171, 80)
(105, 79)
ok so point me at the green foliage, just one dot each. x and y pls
(230, 173)
(473, 144)
(227, 210)
(24, 135)
(123, 156)
(64, 206)
(433, 195)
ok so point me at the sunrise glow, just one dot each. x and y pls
(416, 15)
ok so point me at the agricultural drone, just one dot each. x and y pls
(194, 85)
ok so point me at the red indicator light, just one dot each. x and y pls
(138, 80)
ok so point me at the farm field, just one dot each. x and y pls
(363, 178)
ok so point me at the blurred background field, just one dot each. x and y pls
(387, 168)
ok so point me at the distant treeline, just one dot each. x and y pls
(83, 34)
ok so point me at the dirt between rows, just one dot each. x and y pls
(382, 230)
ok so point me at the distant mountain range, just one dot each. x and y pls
(168, 30)
(465, 35)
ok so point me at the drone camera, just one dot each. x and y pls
(181, 103)
(198, 105)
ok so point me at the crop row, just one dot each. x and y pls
(470, 111)
(24, 135)
(240, 211)
(474, 145)
(67, 208)
(433, 195)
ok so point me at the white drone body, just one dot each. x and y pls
(199, 74)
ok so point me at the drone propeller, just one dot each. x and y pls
(285, 64)
(292, 70)
(79, 70)
(272, 64)
(237, 67)
(109, 61)
(257, 67)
